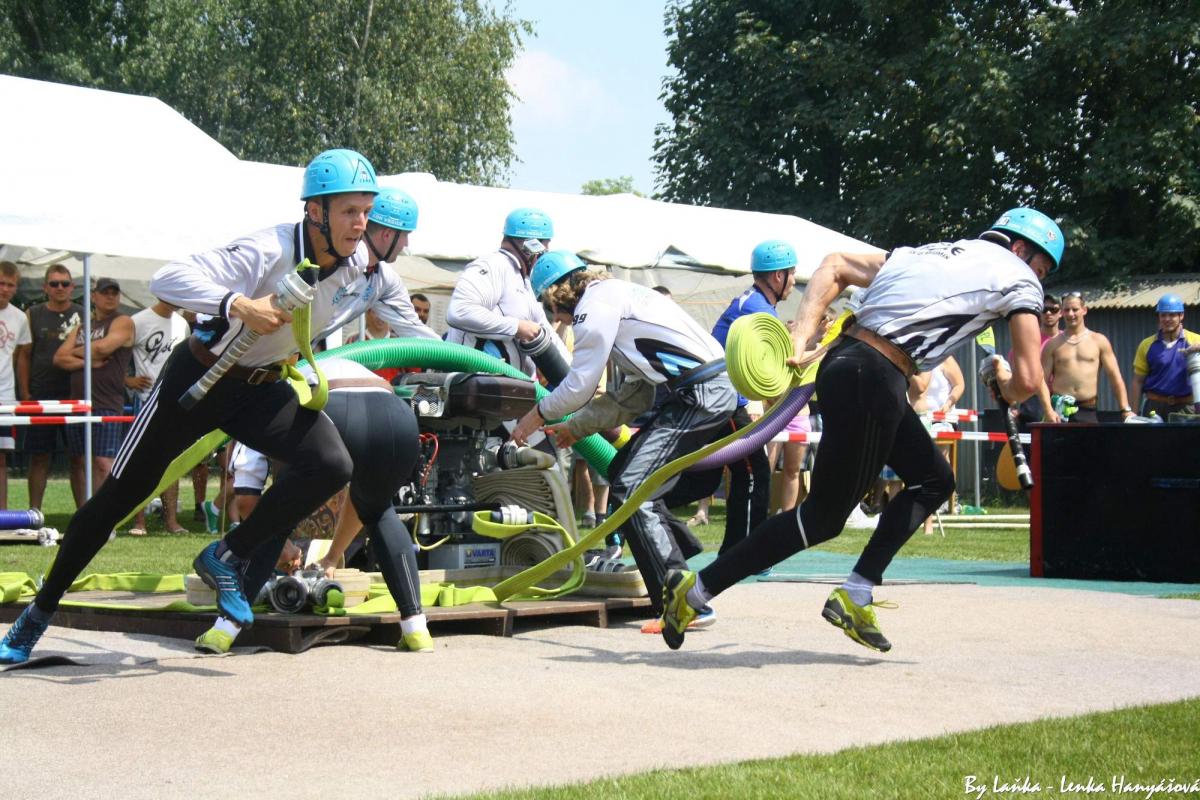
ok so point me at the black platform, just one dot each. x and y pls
(1116, 502)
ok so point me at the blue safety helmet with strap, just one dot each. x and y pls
(1169, 304)
(395, 209)
(772, 255)
(336, 172)
(552, 268)
(1035, 227)
(528, 223)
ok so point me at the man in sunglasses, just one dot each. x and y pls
(1072, 361)
(40, 379)
(1031, 409)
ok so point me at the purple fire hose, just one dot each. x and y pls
(776, 420)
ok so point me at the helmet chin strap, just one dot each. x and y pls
(382, 257)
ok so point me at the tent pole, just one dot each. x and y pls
(86, 330)
(975, 404)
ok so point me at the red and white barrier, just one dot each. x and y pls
(957, 415)
(47, 407)
(48, 420)
(941, 436)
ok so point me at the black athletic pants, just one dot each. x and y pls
(380, 432)
(749, 489)
(266, 416)
(867, 422)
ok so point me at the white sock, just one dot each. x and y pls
(228, 626)
(698, 596)
(859, 589)
(413, 624)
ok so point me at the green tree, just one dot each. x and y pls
(417, 85)
(901, 122)
(621, 185)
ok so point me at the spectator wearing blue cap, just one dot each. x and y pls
(773, 264)
(1160, 379)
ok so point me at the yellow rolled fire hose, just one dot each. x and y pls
(756, 359)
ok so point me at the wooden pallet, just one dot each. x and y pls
(295, 633)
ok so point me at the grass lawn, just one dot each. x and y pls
(984, 544)
(161, 552)
(1144, 745)
(157, 552)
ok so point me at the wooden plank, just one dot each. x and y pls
(294, 633)
(594, 612)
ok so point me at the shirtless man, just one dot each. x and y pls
(1074, 357)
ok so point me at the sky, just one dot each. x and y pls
(589, 80)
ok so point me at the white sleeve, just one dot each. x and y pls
(395, 307)
(594, 336)
(208, 282)
(474, 305)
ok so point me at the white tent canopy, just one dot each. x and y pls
(128, 177)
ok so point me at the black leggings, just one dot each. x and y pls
(267, 417)
(749, 488)
(380, 433)
(867, 422)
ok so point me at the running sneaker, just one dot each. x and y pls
(588, 520)
(221, 570)
(21, 637)
(214, 641)
(677, 614)
(857, 622)
(415, 642)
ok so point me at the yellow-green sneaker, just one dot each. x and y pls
(857, 622)
(214, 641)
(677, 614)
(416, 642)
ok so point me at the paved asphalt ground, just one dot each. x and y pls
(146, 717)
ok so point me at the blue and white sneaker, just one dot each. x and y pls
(19, 642)
(221, 570)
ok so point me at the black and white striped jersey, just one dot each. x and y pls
(253, 265)
(646, 334)
(929, 299)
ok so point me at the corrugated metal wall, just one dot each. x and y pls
(1125, 328)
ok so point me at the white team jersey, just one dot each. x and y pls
(930, 299)
(154, 337)
(253, 265)
(14, 332)
(490, 298)
(646, 334)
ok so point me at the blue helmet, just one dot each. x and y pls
(552, 268)
(336, 172)
(771, 255)
(394, 209)
(528, 223)
(1037, 228)
(1169, 304)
